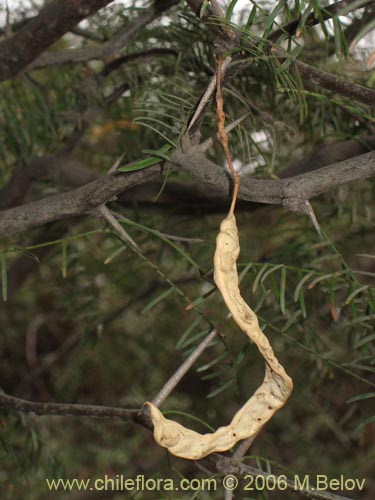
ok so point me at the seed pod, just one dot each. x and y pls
(267, 399)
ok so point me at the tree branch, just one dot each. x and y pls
(327, 12)
(78, 410)
(72, 203)
(52, 22)
(308, 73)
(334, 83)
(110, 49)
(292, 192)
(178, 375)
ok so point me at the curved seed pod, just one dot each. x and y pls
(267, 399)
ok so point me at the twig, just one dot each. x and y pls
(22, 405)
(208, 93)
(242, 449)
(333, 83)
(107, 51)
(185, 367)
(144, 54)
(53, 21)
(228, 494)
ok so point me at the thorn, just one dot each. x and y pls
(310, 212)
(107, 215)
(116, 165)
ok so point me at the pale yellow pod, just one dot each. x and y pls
(267, 399)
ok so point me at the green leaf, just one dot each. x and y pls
(159, 235)
(262, 298)
(365, 340)
(336, 35)
(291, 320)
(365, 395)
(218, 373)
(367, 421)
(362, 32)
(258, 276)
(157, 157)
(201, 299)
(242, 353)
(272, 270)
(319, 279)
(229, 12)
(4, 277)
(212, 362)
(272, 17)
(248, 25)
(156, 300)
(193, 338)
(282, 289)
(302, 304)
(192, 417)
(300, 285)
(220, 389)
(203, 8)
(181, 341)
(114, 254)
(64, 258)
(355, 293)
(304, 17)
(244, 271)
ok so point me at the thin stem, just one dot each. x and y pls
(223, 135)
(228, 495)
(185, 367)
(243, 448)
(22, 405)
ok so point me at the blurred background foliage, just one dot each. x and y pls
(101, 323)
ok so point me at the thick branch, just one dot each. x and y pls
(52, 22)
(292, 192)
(73, 203)
(110, 49)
